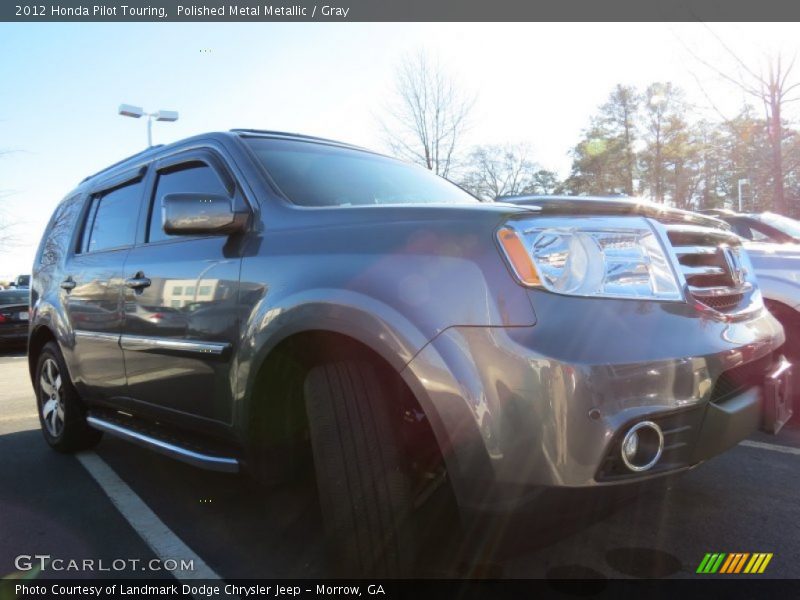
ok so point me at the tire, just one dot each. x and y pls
(62, 414)
(364, 489)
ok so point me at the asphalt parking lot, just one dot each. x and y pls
(148, 506)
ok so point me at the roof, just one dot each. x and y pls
(294, 136)
(144, 154)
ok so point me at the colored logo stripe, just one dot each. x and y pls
(758, 563)
(720, 562)
(734, 563)
(711, 563)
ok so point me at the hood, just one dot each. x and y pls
(602, 205)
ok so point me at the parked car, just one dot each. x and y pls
(22, 282)
(766, 227)
(13, 317)
(407, 337)
(773, 243)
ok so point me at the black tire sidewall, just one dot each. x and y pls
(345, 515)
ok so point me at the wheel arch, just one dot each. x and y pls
(319, 343)
(39, 337)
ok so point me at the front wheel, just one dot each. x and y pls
(62, 415)
(364, 488)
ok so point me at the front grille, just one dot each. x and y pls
(711, 264)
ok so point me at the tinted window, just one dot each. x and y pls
(13, 297)
(55, 241)
(198, 178)
(112, 219)
(319, 175)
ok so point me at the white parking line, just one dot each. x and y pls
(773, 447)
(161, 539)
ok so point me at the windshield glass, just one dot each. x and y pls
(312, 174)
(781, 223)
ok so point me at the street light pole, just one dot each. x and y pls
(137, 112)
(742, 181)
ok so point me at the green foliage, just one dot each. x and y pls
(648, 144)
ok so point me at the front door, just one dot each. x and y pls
(181, 295)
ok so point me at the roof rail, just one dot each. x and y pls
(293, 135)
(123, 161)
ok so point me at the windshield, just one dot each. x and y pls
(311, 174)
(784, 224)
(13, 297)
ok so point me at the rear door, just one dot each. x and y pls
(92, 284)
(181, 321)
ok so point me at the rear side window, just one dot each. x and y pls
(196, 178)
(112, 218)
(59, 233)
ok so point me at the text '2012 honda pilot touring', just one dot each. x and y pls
(243, 300)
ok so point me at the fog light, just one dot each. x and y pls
(642, 446)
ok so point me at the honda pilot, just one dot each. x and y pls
(270, 303)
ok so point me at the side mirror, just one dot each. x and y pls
(209, 214)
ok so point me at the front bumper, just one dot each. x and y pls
(516, 409)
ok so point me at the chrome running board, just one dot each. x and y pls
(197, 459)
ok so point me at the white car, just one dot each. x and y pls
(773, 243)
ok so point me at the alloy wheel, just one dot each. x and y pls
(51, 397)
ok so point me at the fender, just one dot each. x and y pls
(363, 318)
(49, 315)
(780, 289)
(358, 316)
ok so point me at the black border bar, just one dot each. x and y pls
(397, 10)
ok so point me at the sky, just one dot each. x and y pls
(534, 83)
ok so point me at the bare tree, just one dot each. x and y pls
(6, 225)
(428, 114)
(772, 88)
(493, 171)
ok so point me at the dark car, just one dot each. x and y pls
(283, 305)
(13, 317)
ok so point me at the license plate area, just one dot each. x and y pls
(23, 316)
(777, 397)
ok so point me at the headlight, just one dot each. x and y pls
(609, 257)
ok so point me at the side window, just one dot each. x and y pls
(192, 178)
(112, 218)
(742, 228)
(761, 233)
(56, 240)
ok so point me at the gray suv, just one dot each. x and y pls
(278, 303)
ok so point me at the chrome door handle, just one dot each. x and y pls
(68, 284)
(138, 282)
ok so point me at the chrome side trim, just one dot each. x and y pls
(97, 336)
(144, 344)
(204, 461)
